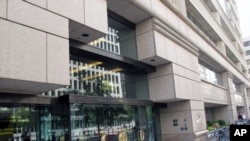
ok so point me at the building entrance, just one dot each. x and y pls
(77, 118)
(111, 123)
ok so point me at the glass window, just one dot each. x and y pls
(120, 39)
(248, 52)
(36, 122)
(91, 77)
(194, 20)
(248, 61)
(99, 122)
(236, 87)
(247, 43)
(209, 74)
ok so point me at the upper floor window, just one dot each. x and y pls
(200, 26)
(121, 38)
(96, 78)
(109, 42)
(248, 61)
(247, 43)
(236, 87)
(209, 74)
(223, 5)
(248, 52)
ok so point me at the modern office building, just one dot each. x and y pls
(119, 70)
(246, 44)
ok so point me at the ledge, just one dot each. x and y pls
(109, 59)
(200, 133)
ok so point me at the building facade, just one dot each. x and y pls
(119, 69)
(246, 44)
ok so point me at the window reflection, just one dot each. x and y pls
(247, 43)
(109, 42)
(93, 79)
(96, 122)
(76, 122)
(89, 77)
(209, 74)
(14, 122)
(34, 122)
(236, 87)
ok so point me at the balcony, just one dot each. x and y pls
(213, 93)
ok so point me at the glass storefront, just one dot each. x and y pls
(36, 122)
(111, 123)
(76, 122)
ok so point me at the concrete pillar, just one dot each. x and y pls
(248, 92)
(243, 91)
(235, 44)
(217, 17)
(238, 64)
(222, 47)
(181, 5)
(183, 120)
(231, 116)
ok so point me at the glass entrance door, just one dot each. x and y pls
(110, 123)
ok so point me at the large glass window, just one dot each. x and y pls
(236, 87)
(36, 122)
(94, 78)
(16, 121)
(109, 42)
(248, 52)
(200, 26)
(121, 39)
(209, 74)
(223, 5)
(76, 122)
(247, 43)
(104, 122)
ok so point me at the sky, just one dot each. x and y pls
(244, 15)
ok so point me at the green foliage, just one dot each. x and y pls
(210, 124)
(222, 123)
(210, 128)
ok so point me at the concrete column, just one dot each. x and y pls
(238, 64)
(248, 92)
(183, 120)
(217, 17)
(235, 43)
(231, 116)
(222, 47)
(243, 91)
(3, 8)
(181, 4)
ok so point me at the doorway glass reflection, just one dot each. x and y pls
(110, 123)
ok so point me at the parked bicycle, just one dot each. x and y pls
(219, 134)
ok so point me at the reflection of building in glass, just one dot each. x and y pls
(109, 42)
(90, 59)
(92, 78)
(209, 74)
